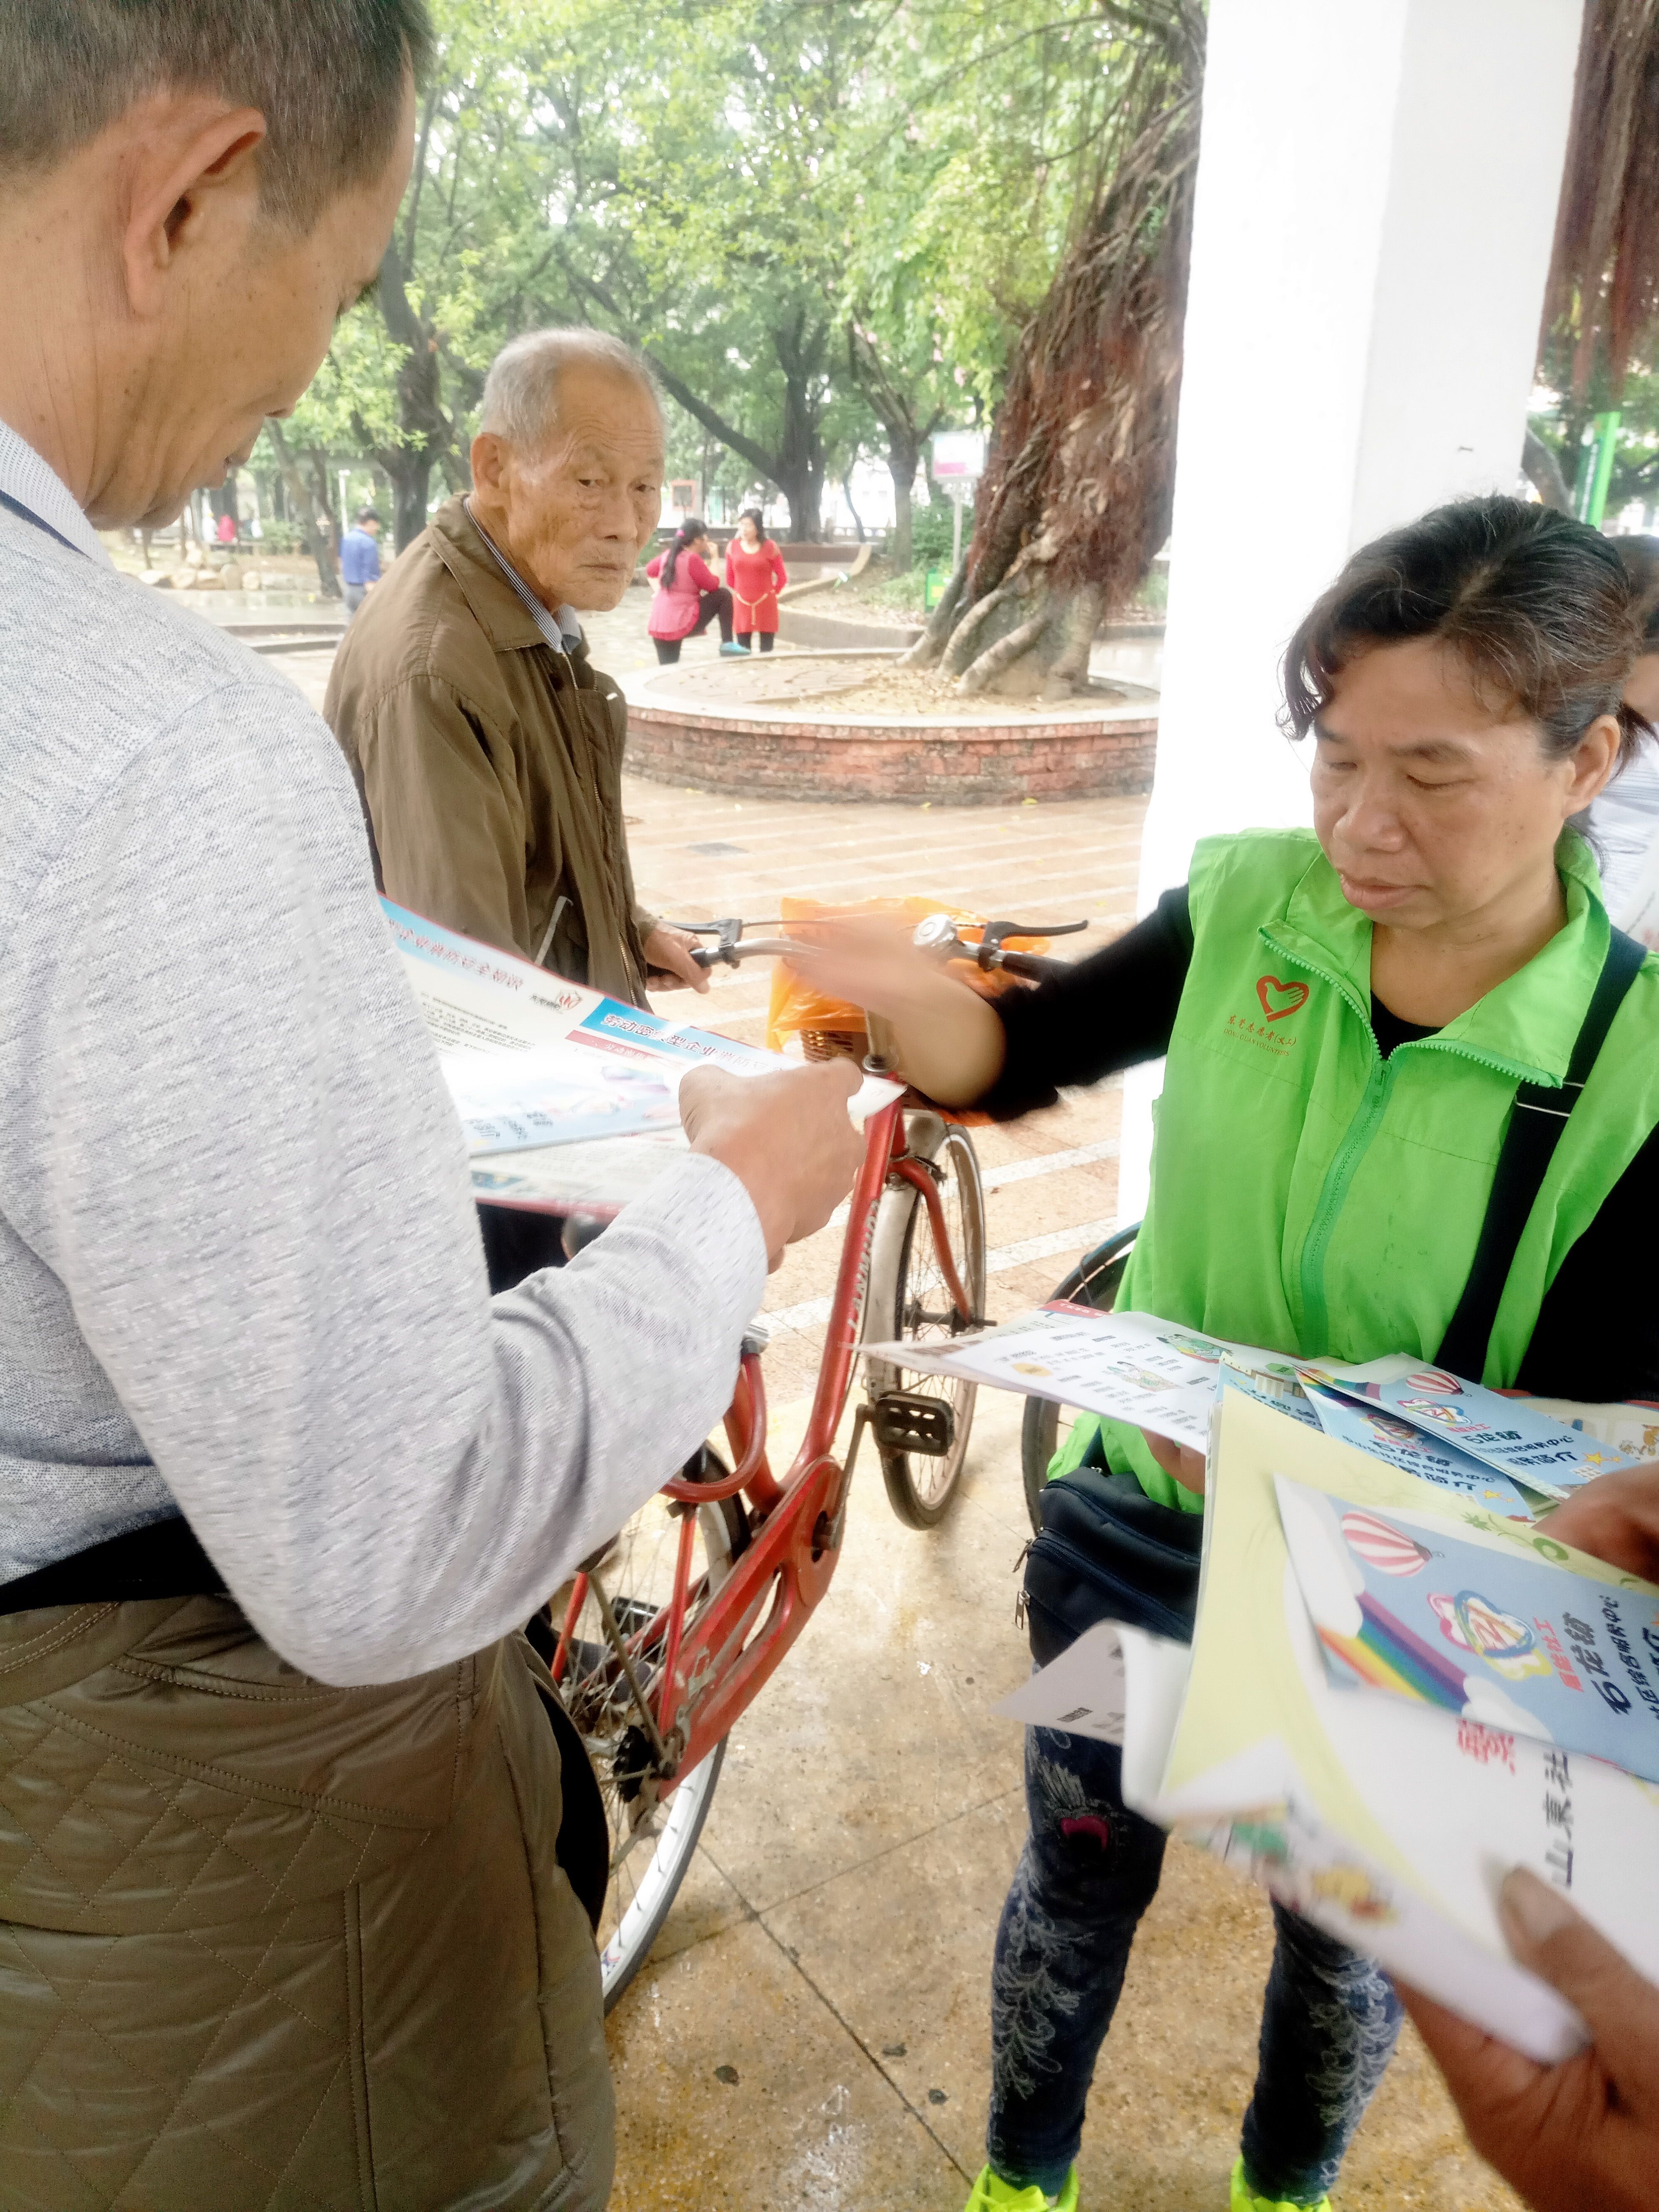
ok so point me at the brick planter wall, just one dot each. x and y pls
(960, 764)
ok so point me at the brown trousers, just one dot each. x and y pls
(270, 1947)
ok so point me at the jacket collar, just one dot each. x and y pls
(499, 612)
(34, 485)
(1528, 1024)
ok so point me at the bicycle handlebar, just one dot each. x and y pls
(1032, 965)
(937, 934)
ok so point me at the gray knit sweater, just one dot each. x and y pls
(239, 1271)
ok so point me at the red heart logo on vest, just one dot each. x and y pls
(1270, 991)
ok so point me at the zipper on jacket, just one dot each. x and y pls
(1367, 1118)
(1339, 1176)
(1379, 1087)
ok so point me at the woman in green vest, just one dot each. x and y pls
(1348, 1013)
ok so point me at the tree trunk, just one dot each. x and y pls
(1543, 471)
(800, 349)
(294, 485)
(427, 435)
(1080, 483)
(847, 494)
(411, 474)
(901, 458)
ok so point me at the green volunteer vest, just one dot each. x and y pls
(1308, 1195)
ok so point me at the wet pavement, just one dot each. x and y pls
(811, 2030)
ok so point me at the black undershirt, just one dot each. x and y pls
(1597, 1335)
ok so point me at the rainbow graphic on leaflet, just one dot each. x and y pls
(1387, 1656)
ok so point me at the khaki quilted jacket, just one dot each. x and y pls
(270, 1947)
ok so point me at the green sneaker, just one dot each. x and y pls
(991, 2193)
(1246, 2200)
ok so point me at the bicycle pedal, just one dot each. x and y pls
(914, 1424)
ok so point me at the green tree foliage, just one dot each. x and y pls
(825, 223)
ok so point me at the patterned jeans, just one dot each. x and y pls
(1089, 1870)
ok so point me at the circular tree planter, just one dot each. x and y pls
(780, 725)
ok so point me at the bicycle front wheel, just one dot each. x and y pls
(908, 1298)
(653, 1838)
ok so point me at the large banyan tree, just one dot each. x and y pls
(1080, 477)
(1601, 307)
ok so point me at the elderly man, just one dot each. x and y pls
(264, 1942)
(488, 751)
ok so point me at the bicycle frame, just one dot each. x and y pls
(713, 1670)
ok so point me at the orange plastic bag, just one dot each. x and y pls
(796, 1006)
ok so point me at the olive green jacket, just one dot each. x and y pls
(267, 1945)
(490, 766)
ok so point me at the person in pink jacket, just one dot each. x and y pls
(690, 596)
(755, 574)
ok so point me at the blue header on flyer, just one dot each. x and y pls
(632, 1028)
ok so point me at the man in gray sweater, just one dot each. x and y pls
(264, 1941)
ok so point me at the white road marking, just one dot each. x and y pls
(1048, 1164)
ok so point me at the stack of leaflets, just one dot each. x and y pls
(1396, 1692)
(1512, 1456)
(1130, 1366)
(567, 1098)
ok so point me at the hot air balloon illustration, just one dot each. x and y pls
(1436, 1379)
(1382, 1545)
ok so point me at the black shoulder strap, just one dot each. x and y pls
(1535, 1125)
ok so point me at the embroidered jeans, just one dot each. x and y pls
(1089, 1870)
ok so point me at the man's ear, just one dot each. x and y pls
(193, 167)
(489, 459)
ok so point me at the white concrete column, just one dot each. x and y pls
(1376, 203)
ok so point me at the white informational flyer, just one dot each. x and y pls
(1129, 1366)
(569, 1098)
(1081, 1692)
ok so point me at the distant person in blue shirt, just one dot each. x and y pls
(360, 559)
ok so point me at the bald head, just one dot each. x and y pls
(521, 391)
(568, 468)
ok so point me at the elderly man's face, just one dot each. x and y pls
(574, 516)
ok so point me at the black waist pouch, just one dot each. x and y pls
(1106, 1551)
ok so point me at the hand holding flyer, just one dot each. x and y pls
(578, 1091)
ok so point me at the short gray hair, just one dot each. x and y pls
(520, 393)
(328, 76)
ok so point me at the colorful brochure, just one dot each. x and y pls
(578, 1091)
(1403, 1604)
(1386, 1436)
(1509, 1434)
(1390, 1820)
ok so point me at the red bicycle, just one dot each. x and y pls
(670, 1631)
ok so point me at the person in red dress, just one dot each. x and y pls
(755, 574)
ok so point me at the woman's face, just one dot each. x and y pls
(1433, 805)
(751, 534)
